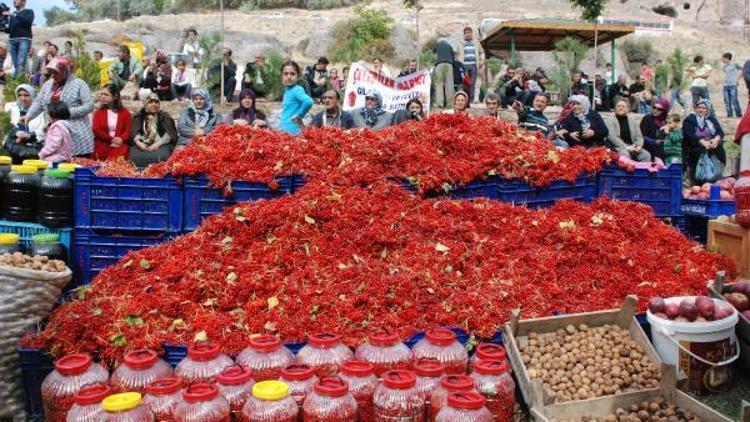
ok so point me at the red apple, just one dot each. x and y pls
(738, 300)
(672, 310)
(656, 304)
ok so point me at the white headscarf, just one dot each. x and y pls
(585, 108)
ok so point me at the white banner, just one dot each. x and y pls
(396, 92)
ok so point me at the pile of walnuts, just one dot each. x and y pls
(39, 263)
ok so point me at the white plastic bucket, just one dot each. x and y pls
(701, 351)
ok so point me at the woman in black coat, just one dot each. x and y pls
(583, 126)
(702, 133)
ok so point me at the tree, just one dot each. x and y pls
(592, 9)
(86, 67)
(366, 36)
(58, 16)
(569, 53)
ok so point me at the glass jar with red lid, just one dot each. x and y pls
(265, 357)
(385, 351)
(236, 385)
(487, 351)
(87, 405)
(441, 344)
(493, 380)
(300, 379)
(465, 407)
(203, 403)
(362, 384)
(428, 372)
(397, 399)
(449, 384)
(71, 373)
(330, 401)
(162, 397)
(270, 402)
(126, 407)
(203, 363)
(742, 198)
(324, 353)
(137, 370)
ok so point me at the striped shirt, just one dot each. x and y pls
(470, 53)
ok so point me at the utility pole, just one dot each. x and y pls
(223, 98)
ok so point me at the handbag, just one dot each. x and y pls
(709, 169)
(21, 151)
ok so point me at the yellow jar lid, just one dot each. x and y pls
(39, 164)
(23, 169)
(71, 167)
(121, 402)
(9, 238)
(270, 390)
(4, 159)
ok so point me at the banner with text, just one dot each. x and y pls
(396, 92)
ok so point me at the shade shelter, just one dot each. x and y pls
(542, 34)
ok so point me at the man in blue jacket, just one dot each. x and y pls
(19, 31)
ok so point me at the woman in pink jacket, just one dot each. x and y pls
(58, 142)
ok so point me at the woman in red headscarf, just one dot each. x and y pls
(63, 85)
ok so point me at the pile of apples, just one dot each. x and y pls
(697, 309)
(704, 192)
(739, 297)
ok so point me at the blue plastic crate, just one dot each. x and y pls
(35, 366)
(661, 190)
(94, 252)
(127, 204)
(28, 230)
(201, 200)
(712, 207)
(678, 221)
(585, 189)
(298, 182)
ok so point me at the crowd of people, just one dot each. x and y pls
(57, 117)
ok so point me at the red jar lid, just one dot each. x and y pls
(92, 394)
(331, 387)
(382, 339)
(745, 173)
(324, 339)
(466, 400)
(234, 375)
(198, 393)
(297, 372)
(457, 382)
(440, 336)
(399, 379)
(164, 386)
(357, 368)
(265, 343)
(141, 359)
(203, 351)
(490, 351)
(429, 367)
(73, 364)
(491, 367)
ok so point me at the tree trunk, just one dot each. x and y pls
(419, 49)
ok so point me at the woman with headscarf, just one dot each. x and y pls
(111, 125)
(413, 111)
(64, 86)
(372, 116)
(460, 103)
(153, 135)
(583, 126)
(654, 128)
(702, 134)
(158, 77)
(246, 114)
(198, 119)
(24, 141)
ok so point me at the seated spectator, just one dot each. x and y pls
(654, 128)
(98, 56)
(410, 68)
(24, 141)
(637, 86)
(703, 134)
(152, 135)
(624, 136)
(460, 104)
(7, 64)
(580, 84)
(513, 89)
(68, 49)
(492, 102)
(600, 93)
(583, 126)
(182, 81)
(540, 77)
(111, 126)
(198, 119)
(533, 118)
(372, 116)
(158, 76)
(58, 141)
(317, 78)
(256, 76)
(643, 101)
(246, 114)
(673, 141)
(125, 69)
(333, 115)
(39, 68)
(620, 90)
(229, 75)
(336, 82)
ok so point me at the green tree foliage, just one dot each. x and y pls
(366, 36)
(638, 51)
(275, 87)
(86, 67)
(592, 9)
(569, 53)
(59, 16)
(677, 62)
